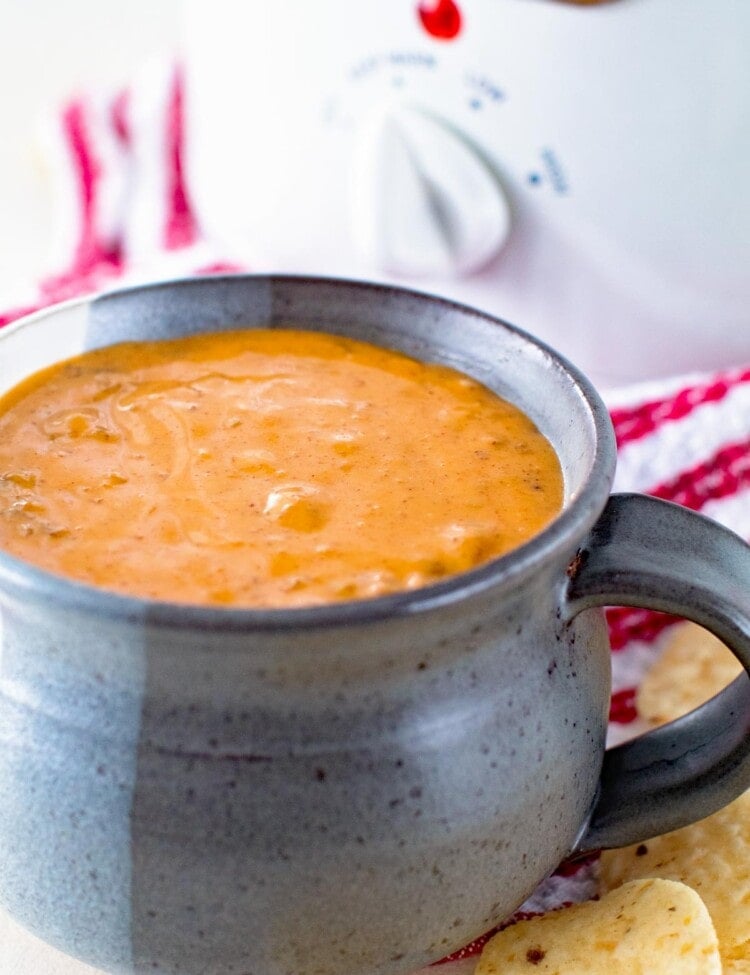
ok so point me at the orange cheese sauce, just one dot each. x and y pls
(265, 468)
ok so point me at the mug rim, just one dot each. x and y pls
(24, 579)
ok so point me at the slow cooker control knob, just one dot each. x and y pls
(424, 202)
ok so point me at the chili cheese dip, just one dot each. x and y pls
(265, 468)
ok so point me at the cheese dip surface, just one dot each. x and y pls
(265, 468)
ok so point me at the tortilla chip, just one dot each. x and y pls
(713, 857)
(648, 927)
(693, 667)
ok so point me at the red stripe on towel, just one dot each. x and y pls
(640, 421)
(627, 623)
(96, 261)
(120, 117)
(181, 227)
(719, 476)
(86, 172)
(622, 707)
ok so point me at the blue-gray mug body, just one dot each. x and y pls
(359, 788)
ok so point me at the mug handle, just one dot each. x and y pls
(657, 555)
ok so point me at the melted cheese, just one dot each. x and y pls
(265, 468)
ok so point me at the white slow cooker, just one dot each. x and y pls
(580, 170)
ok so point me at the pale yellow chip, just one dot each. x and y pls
(693, 667)
(712, 856)
(647, 927)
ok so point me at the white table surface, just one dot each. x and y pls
(49, 49)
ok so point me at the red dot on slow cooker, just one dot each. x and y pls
(440, 18)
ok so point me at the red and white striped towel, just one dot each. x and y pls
(124, 214)
(126, 217)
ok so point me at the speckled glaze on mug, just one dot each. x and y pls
(360, 788)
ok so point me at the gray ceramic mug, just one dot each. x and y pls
(358, 788)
